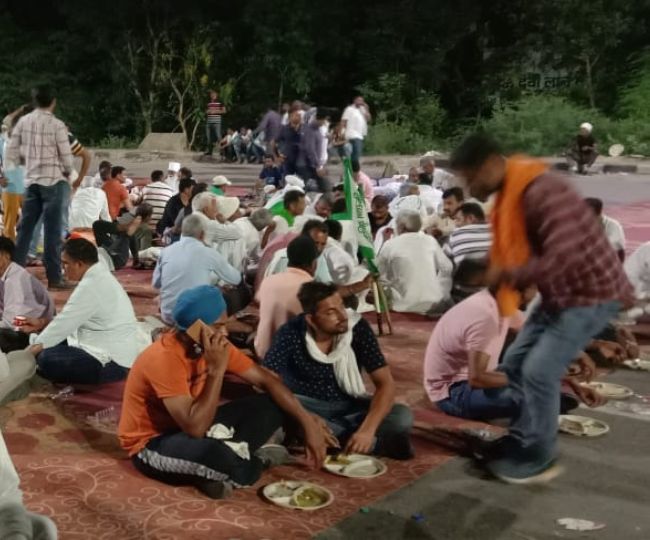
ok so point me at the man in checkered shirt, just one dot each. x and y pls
(40, 140)
(582, 287)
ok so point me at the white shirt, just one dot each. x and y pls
(251, 236)
(349, 239)
(637, 268)
(9, 482)
(356, 126)
(343, 269)
(172, 182)
(98, 318)
(416, 270)
(324, 130)
(21, 294)
(280, 262)
(432, 198)
(614, 232)
(228, 240)
(443, 179)
(88, 205)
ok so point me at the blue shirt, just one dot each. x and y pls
(272, 176)
(15, 176)
(186, 264)
(303, 375)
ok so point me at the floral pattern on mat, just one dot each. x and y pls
(74, 470)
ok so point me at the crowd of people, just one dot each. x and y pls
(472, 248)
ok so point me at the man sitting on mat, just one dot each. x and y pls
(320, 354)
(21, 295)
(460, 363)
(95, 338)
(173, 425)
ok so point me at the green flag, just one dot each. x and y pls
(355, 211)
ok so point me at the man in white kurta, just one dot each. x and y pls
(414, 268)
(637, 268)
(96, 337)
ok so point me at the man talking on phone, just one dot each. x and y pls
(174, 425)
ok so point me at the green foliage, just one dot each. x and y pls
(428, 73)
(538, 125)
(634, 101)
(116, 142)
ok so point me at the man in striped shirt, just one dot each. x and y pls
(213, 123)
(157, 194)
(580, 280)
(41, 140)
(472, 238)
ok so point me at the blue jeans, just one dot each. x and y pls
(38, 229)
(478, 403)
(357, 150)
(535, 364)
(345, 417)
(47, 202)
(212, 134)
(71, 365)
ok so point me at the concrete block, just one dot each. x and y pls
(165, 142)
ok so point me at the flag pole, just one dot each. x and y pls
(377, 301)
(385, 310)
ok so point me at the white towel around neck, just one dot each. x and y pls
(342, 359)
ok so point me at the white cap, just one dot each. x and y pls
(221, 180)
(587, 126)
(292, 180)
(227, 206)
(174, 166)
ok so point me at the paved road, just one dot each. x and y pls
(606, 481)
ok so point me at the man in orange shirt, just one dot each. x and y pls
(173, 425)
(116, 193)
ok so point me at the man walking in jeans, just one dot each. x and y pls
(355, 122)
(544, 234)
(41, 141)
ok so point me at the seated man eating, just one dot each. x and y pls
(320, 354)
(95, 338)
(21, 295)
(460, 363)
(173, 424)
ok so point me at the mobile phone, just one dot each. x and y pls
(194, 331)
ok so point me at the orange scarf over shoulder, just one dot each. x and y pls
(510, 246)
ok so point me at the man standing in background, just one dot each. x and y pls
(213, 122)
(355, 122)
(41, 140)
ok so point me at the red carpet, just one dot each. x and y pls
(77, 474)
(635, 219)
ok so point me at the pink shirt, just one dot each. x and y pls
(278, 299)
(472, 325)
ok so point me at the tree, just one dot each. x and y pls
(579, 35)
(185, 68)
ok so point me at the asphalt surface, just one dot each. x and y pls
(606, 481)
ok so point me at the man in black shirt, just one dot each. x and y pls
(379, 215)
(583, 152)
